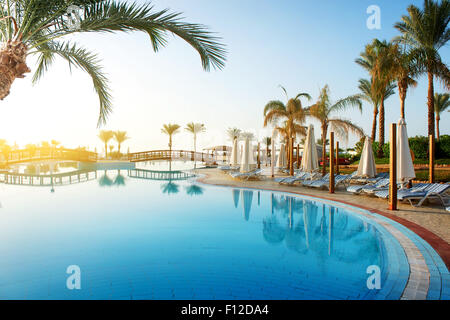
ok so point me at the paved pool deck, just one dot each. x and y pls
(431, 223)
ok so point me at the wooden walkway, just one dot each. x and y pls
(159, 175)
(44, 180)
(41, 154)
(171, 155)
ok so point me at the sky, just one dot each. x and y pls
(302, 45)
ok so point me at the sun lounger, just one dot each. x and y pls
(292, 180)
(247, 175)
(317, 182)
(326, 182)
(384, 194)
(368, 188)
(432, 191)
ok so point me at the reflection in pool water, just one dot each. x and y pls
(140, 239)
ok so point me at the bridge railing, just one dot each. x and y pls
(171, 155)
(44, 153)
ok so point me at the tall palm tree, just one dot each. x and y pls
(234, 133)
(372, 95)
(404, 70)
(378, 60)
(195, 128)
(441, 103)
(170, 130)
(293, 113)
(105, 136)
(120, 137)
(41, 28)
(425, 31)
(323, 111)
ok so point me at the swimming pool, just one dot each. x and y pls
(136, 238)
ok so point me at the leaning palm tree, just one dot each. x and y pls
(120, 137)
(323, 111)
(170, 130)
(292, 112)
(195, 128)
(441, 103)
(41, 28)
(234, 133)
(426, 31)
(371, 94)
(105, 136)
(378, 60)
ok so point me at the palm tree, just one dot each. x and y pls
(378, 60)
(170, 130)
(441, 103)
(404, 70)
(120, 137)
(234, 133)
(105, 136)
(323, 110)
(425, 31)
(195, 128)
(41, 28)
(294, 115)
(372, 95)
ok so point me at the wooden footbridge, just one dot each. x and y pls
(159, 175)
(44, 180)
(171, 155)
(48, 153)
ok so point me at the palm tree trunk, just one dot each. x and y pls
(118, 148)
(380, 152)
(106, 150)
(291, 156)
(374, 123)
(438, 118)
(430, 105)
(324, 146)
(402, 94)
(267, 154)
(12, 65)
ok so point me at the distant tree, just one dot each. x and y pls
(105, 136)
(195, 128)
(234, 133)
(120, 137)
(441, 103)
(170, 130)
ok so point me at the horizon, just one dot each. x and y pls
(150, 89)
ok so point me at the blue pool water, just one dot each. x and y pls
(142, 239)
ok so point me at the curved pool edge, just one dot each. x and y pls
(428, 255)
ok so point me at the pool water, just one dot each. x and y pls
(143, 239)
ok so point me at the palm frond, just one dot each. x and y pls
(80, 58)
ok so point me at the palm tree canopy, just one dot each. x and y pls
(441, 102)
(105, 135)
(372, 93)
(170, 129)
(40, 27)
(323, 111)
(292, 112)
(120, 136)
(426, 31)
(234, 133)
(195, 128)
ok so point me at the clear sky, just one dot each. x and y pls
(299, 44)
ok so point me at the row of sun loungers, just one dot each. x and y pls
(377, 186)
